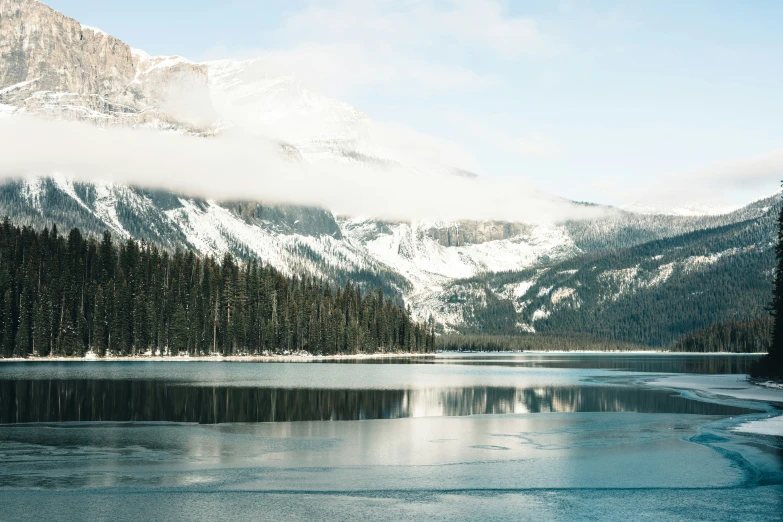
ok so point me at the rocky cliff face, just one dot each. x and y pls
(54, 53)
(465, 233)
(52, 65)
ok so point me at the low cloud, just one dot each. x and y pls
(243, 166)
(724, 185)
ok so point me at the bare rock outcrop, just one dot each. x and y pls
(52, 65)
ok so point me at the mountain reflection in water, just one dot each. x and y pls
(23, 401)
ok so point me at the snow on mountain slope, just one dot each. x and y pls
(246, 94)
(404, 257)
(251, 97)
(214, 230)
(436, 267)
(649, 293)
(412, 251)
(687, 209)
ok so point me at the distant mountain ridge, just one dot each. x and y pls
(652, 293)
(450, 270)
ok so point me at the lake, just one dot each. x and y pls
(454, 436)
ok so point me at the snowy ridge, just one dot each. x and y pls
(214, 229)
(688, 209)
(411, 251)
(403, 254)
(435, 276)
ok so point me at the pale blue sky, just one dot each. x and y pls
(602, 101)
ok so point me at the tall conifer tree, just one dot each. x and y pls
(772, 364)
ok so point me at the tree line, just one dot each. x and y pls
(772, 364)
(748, 336)
(66, 296)
(531, 342)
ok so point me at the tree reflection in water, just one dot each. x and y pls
(133, 400)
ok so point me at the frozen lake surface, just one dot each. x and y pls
(536, 437)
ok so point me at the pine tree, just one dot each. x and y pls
(179, 331)
(24, 336)
(41, 328)
(99, 323)
(68, 337)
(9, 339)
(772, 364)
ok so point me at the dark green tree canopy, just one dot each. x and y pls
(69, 296)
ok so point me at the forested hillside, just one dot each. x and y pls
(750, 336)
(68, 296)
(654, 293)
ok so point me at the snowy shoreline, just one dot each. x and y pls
(307, 357)
(736, 387)
(296, 357)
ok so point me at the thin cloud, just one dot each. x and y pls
(246, 167)
(523, 146)
(723, 184)
(422, 23)
(344, 47)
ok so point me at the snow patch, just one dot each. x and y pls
(544, 291)
(32, 189)
(7, 110)
(65, 184)
(621, 281)
(736, 386)
(769, 426)
(521, 289)
(662, 275)
(541, 313)
(562, 293)
(699, 262)
(106, 207)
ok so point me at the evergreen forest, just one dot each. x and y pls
(68, 296)
(772, 364)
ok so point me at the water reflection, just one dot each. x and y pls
(654, 363)
(23, 401)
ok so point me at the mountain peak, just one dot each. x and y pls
(54, 66)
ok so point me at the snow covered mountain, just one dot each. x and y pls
(246, 95)
(426, 264)
(52, 66)
(651, 293)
